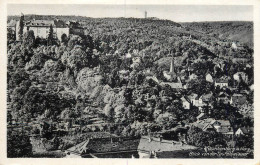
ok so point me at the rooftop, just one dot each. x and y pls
(159, 146)
(223, 79)
(46, 23)
(172, 85)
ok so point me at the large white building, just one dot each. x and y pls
(41, 28)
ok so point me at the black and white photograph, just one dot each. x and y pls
(130, 81)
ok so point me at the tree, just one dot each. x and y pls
(197, 137)
(109, 111)
(10, 35)
(20, 28)
(29, 39)
(50, 38)
(64, 38)
(37, 61)
(78, 59)
(14, 79)
(18, 146)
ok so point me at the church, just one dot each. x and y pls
(171, 75)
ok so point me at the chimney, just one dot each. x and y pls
(111, 140)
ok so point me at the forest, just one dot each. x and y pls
(113, 74)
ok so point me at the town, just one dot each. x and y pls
(126, 88)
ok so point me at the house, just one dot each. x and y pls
(11, 27)
(193, 98)
(113, 147)
(77, 150)
(240, 76)
(185, 103)
(223, 97)
(206, 98)
(201, 116)
(193, 76)
(11, 24)
(238, 99)
(204, 125)
(177, 85)
(196, 101)
(210, 124)
(209, 78)
(151, 147)
(240, 60)
(244, 131)
(234, 46)
(223, 126)
(41, 28)
(221, 82)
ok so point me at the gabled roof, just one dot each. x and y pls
(193, 96)
(223, 79)
(46, 23)
(40, 23)
(79, 148)
(164, 145)
(222, 122)
(209, 120)
(172, 85)
(206, 126)
(240, 73)
(104, 145)
(185, 99)
(225, 130)
(206, 97)
(200, 116)
(245, 130)
(223, 94)
(237, 95)
(203, 123)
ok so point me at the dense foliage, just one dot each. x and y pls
(108, 74)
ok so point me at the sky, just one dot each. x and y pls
(177, 13)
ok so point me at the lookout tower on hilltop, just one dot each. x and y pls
(145, 14)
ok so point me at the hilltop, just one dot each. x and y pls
(241, 31)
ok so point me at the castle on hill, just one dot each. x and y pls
(41, 28)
